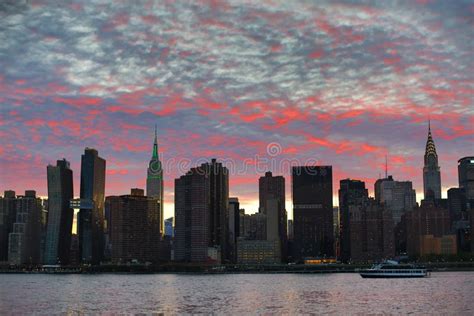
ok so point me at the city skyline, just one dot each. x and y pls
(345, 84)
(236, 157)
(268, 160)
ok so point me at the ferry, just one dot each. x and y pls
(393, 269)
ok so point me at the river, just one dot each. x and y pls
(236, 294)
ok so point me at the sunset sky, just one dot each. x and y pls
(341, 83)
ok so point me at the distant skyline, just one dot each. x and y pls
(342, 82)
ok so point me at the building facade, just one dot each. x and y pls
(60, 214)
(91, 214)
(397, 196)
(458, 204)
(253, 226)
(192, 217)
(24, 242)
(312, 211)
(351, 193)
(7, 219)
(258, 251)
(371, 232)
(428, 219)
(154, 179)
(234, 227)
(219, 206)
(272, 188)
(135, 228)
(466, 176)
(431, 170)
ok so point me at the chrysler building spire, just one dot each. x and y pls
(431, 173)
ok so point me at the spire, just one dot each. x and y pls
(155, 147)
(430, 145)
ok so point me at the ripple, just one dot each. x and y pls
(443, 293)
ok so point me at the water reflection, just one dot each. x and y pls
(235, 294)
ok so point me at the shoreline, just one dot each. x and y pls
(230, 269)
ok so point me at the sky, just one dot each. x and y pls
(261, 85)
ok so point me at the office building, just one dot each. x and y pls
(272, 188)
(458, 204)
(351, 193)
(273, 220)
(254, 226)
(428, 219)
(219, 206)
(7, 219)
(397, 196)
(431, 172)
(443, 245)
(91, 214)
(312, 211)
(291, 232)
(135, 228)
(466, 176)
(192, 217)
(60, 214)
(258, 251)
(154, 180)
(260, 242)
(371, 232)
(472, 228)
(234, 227)
(24, 242)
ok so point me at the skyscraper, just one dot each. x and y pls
(192, 214)
(219, 206)
(371, 232)
(466, 176)
(135, 227)
(272, 188)
(431, 173)
(312, 211)
(457, 204)
(234, 226)
(7, 218)
(398, 197)
(24, 243)
(351, 192)
(426, 220)
(60, 214)
(202, 201)
(154, 180)
(91, 213)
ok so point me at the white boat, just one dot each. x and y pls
(393, 269)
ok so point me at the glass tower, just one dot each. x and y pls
(60, 214)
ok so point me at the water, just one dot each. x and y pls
(236, 294)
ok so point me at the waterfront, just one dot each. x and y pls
(442, 293)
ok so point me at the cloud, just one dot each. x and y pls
(345, 82)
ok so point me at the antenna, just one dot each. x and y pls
(386, 167)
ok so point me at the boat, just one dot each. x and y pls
(393, 269)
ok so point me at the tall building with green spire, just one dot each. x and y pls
(431, 173)
(154, 180)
